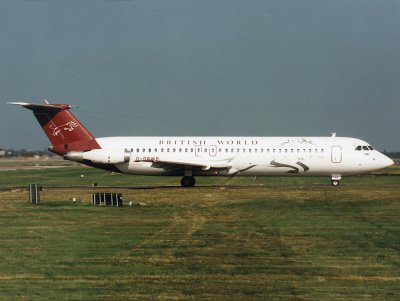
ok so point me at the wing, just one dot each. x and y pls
(177, 164)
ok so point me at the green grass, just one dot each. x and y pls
(275, 239)
(71, 176)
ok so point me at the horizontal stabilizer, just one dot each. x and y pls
(42, 107)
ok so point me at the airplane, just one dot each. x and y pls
(188, 157)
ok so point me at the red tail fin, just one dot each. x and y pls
(62, 128)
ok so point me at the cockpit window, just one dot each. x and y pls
(364, 147)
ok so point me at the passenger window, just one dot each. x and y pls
(162, 150)
(144, 150)
(137, 150)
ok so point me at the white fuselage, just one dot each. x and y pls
(245, 156)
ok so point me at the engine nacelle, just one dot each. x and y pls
(100, 156)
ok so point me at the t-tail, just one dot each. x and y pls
(63, 129)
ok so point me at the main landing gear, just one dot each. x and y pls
(188, 181)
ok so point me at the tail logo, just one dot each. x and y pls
(69, 127)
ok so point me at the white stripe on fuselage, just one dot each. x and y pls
(249, 156)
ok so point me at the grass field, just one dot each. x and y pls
(273, 239)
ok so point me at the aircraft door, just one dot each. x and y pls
(213, 150)
(198, 150)
(336, 155)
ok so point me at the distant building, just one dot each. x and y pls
(2, 152)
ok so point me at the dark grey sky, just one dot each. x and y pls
(190, 67)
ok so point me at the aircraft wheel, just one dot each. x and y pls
(188, 181)
(335, 183)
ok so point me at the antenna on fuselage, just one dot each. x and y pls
(333, 135)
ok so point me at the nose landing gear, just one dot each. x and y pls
(335, 183)
(336, 180)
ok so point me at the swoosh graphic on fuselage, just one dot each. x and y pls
(277, 164)
(294, 168)
(305, 167)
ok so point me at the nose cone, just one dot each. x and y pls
(385, 161)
